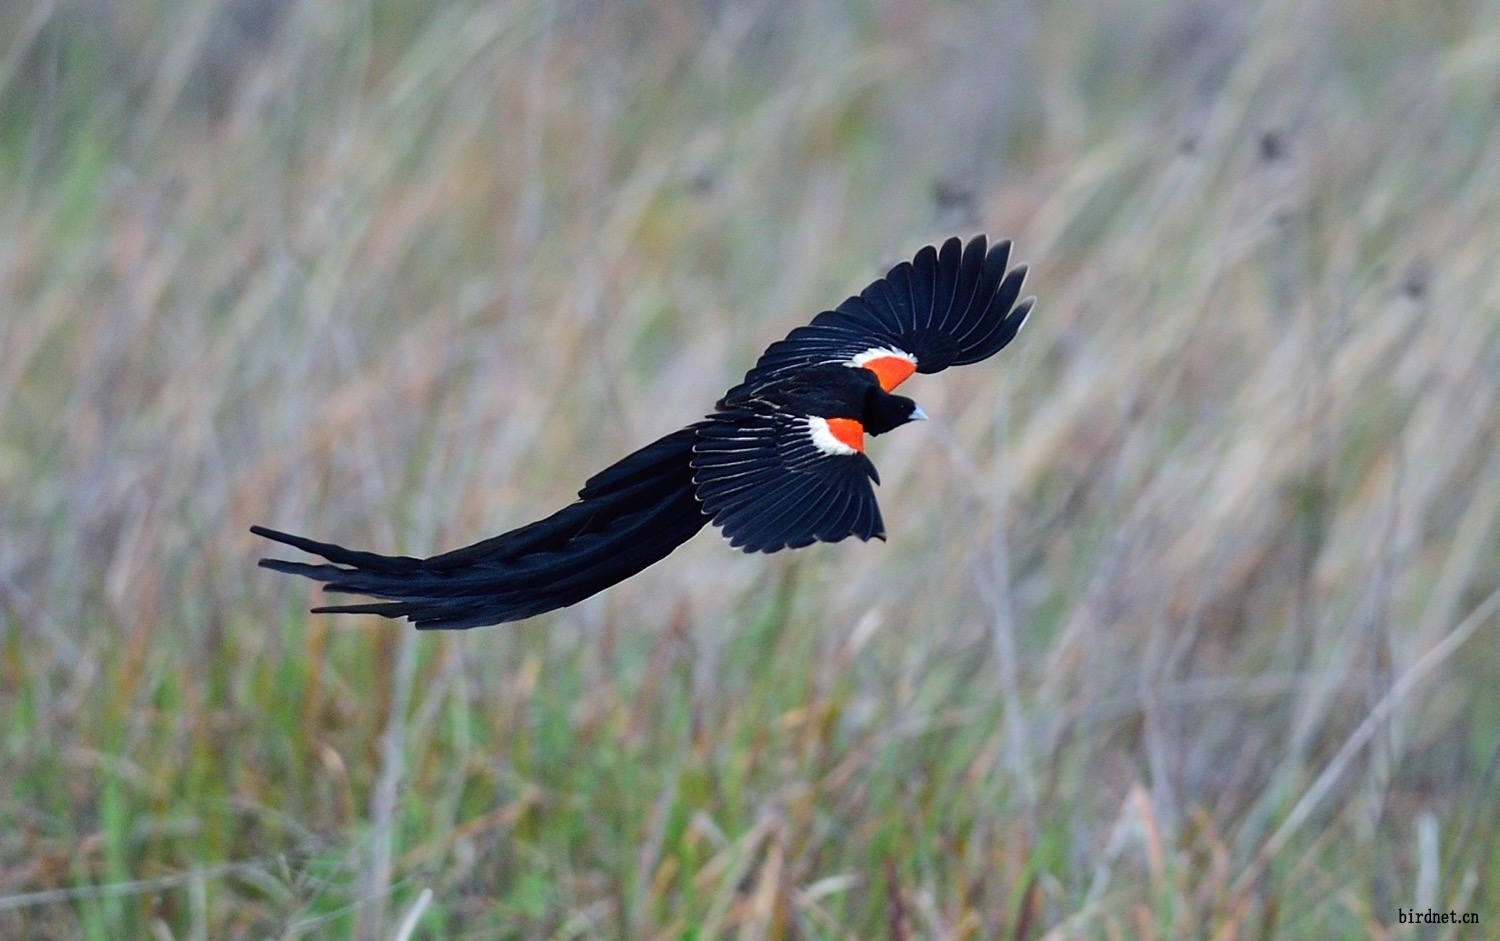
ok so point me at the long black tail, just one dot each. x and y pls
(627, 517)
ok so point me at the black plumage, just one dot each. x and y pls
(779, 464)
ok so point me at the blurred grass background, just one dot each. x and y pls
(1187, 624)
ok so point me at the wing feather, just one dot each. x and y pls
(837, 517)
(780, 522)
(795, 495)
(945, 283)
(946, 307)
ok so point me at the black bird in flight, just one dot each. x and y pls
(779, 464)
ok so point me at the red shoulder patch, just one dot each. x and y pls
(890, 370)
(848, 432)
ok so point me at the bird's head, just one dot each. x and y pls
(884, 412)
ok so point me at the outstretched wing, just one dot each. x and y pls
(772, 479)
(947, 307)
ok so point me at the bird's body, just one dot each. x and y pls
(779, 464)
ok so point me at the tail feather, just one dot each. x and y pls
(335, 554)
(628, 517)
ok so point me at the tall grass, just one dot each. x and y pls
(1187, 624)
